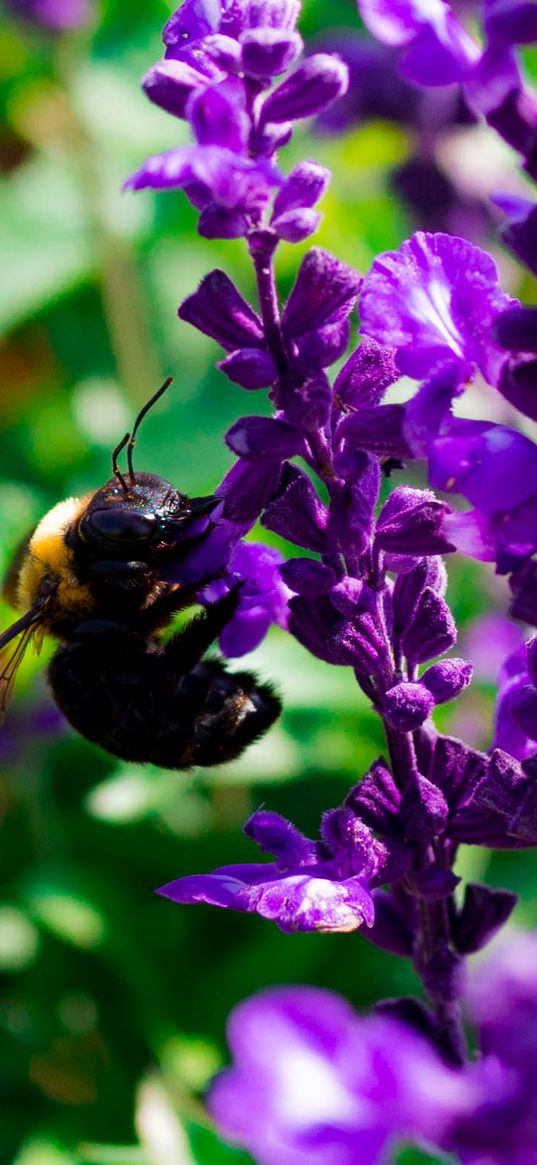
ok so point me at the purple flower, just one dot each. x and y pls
(437, 50)
(516, 708)
(55, 15)
(263, 596)
(501, 1126)
(436, 298)
(495, 468)
(314, 1082)
(312, 885)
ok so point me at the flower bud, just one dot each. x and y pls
(319, 81)
(250, 367)
(407, 705)
(447, 679)
(266, 52)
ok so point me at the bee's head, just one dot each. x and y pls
(138, 521)
(139, 514)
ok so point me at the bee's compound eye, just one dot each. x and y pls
(115, 525)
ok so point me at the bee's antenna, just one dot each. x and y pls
(149, 404)
(115, 467)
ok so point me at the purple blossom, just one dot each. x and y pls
(435, 298)
(501, 1127)
(314, 1082)
(436, 49)
(516, 708)
(312, 885)
(263, 596)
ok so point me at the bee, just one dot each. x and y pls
(91, 575)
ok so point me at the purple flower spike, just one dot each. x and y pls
(318, 82)
(309, 887)
(435, 298)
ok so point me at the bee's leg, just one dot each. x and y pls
(185, 649)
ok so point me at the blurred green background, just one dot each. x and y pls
(114, 1001)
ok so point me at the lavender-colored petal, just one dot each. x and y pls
(324, 292)
(518, 384)
(296, 512)
(336, 638)
(305, 903)
(377, 428)
(267, 52)
(218, 310)
(493, 466)
(436, 297)
(303, 188)
(170, 83)
(520, 233)
(317, 82)
(366, 375)
(411, 522)
(252, 368)
(192, 21)
(516, 329)
(484, 911)
(264, 437)
(225, 51)
(410, 586)
(217, 223)
(391, 930)
(305, 576)
(218, 115)
(376, 799)
(432, 630)
(511, 22)
(263, 597)
(246, 490)
(279, 837)
(216, 889)
(352, 504)
(296, 225)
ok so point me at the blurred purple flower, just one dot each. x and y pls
(501, 1127)
(516, 707)
(54, 15)
(436, 49)
(314, 1082)
(312, 885)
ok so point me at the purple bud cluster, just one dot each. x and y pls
(366, 588)
(219, 74)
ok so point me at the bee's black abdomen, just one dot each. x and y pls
(127, 697)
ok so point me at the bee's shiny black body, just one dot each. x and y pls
(94, 575)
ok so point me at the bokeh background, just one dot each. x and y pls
(114, 1001)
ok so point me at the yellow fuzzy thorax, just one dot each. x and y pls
(49, 557)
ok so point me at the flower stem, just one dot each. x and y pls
(261, 246)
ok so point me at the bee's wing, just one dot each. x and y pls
(22, 632)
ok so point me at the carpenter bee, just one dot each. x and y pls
(91, 576)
